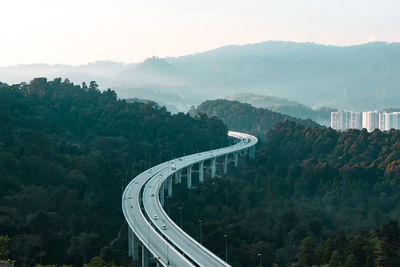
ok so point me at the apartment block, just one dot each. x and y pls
(370, 120)
(343, 120)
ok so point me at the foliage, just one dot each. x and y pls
(99, 262)
(66, 153)
(4, 249)
(366, 249)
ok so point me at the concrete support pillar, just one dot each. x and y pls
(145, 257)
(213, 167)
(178, 177)
(162, 194)
(136, 243)
(189, 176)
(236, 156)
(130, 242)
(225, 164)
(201, 171)
(253, 152)
(169, 186)
(133, 245)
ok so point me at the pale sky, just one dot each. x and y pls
(77, 32)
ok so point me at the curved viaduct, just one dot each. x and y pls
(149, 225)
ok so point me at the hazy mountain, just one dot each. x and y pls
(155, 65)
(321, 115)
(356, 77)
(353, 77)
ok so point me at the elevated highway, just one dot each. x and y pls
(149, 225)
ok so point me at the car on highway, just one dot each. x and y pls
(153, 194)
(173, 167)
(155, 217)
(164, 227)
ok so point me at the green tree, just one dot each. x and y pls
(307, 252)
(96, 262)
(84, 245)
(4, 247)
(335, 260)
(351, 261)
(380, 255)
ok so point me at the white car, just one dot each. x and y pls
(155, 217)
(173, 167)
(164, 227)
(153, 194)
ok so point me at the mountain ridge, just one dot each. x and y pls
(358, 77)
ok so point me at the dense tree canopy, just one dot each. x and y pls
(306, 185)
(311, 197)
(66, 152)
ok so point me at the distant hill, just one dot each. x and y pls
(359, 77)
(354, 77)
(155, 65)
(295, 109)
(244, 117)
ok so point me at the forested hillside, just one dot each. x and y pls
(66, 152)
(244, 117)
(306, 185)
(321, 115)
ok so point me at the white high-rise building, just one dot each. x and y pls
(355, 120)
(370, 120)
(335, 121)
(389, 121)
(392, 121)
(343, 120)
(383, 118)
(395, 120)
(338, 120)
